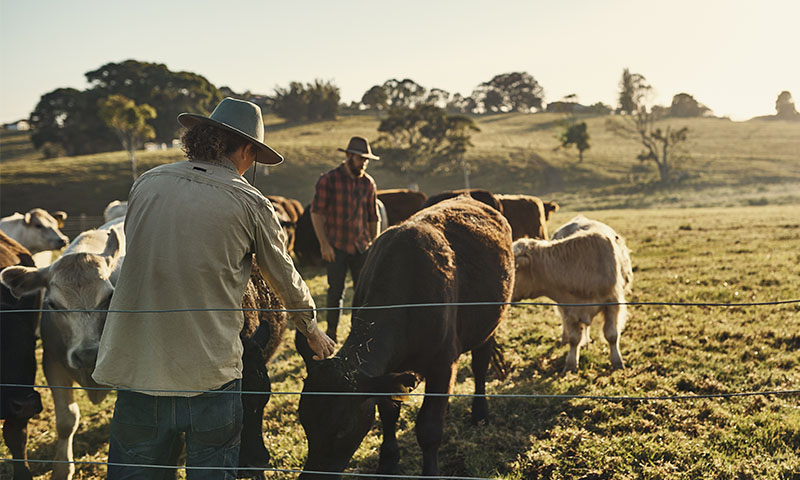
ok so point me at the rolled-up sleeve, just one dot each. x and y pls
(278, 269)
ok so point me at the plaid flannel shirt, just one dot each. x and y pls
(348, 205)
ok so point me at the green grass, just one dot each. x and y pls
(738, 254)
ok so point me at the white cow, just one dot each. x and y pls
(36, 230)
(82, 278)
(585, 262)
(115, 209)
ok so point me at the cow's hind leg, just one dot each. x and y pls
(15, 434)
(389, 411)
(481, 357)
(612, 327)
(430, 419)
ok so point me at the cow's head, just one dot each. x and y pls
(41, 231)
(334, 424)
(76, 281)
(524, 280)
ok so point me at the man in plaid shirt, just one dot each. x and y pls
(345, 217)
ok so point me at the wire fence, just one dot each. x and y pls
(564, 397)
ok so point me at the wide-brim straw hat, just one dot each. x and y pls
(240, 117)
(359, 146)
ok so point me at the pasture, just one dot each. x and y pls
(736, 254)
(725, 164)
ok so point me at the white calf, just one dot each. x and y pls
(585, 262)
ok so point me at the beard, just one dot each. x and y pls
(355, 169)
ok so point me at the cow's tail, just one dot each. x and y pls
(499, 364)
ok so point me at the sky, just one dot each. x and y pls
(734, 56)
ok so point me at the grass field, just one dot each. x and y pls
(736, 254)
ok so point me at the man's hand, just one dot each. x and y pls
(321, 344)
(328, 254)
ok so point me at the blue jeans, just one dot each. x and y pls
(146, 430)
(337, 272)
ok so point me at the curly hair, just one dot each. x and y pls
(209, 143)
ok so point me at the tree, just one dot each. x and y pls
(168, 92)
(509, 92)
(662, 146)
(129, 122)
(66, 120)
(784, 106)
(632, 91)
(424, 139)
(311, 102)
(576, 134)
(376, 98)
(404, 93)
(684, 105)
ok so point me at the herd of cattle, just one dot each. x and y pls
(454, 247)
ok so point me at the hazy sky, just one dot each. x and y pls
(735, 56)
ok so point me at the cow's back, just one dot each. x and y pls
(456, 251)
(401, 203)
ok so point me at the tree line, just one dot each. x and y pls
(422, 130)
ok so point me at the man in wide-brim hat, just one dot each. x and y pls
(345, 219)
(192, 229)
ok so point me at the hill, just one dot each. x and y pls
(731, 163)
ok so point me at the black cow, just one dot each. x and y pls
(306, 243)
(17, 359)
(456, 251)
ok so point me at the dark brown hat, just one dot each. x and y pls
(360, 146)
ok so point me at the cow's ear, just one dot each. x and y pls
(305, 351)
(522, 261)
(549, 207)
(399, 384)
(112, 250)
(60, 217)
(24, 280)
(27, 218)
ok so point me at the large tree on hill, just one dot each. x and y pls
(684, 105)
(424, 139)
(67, 119)
(129, 121)
(168, 92)
(784, 106)
(632, 91)
(509, 92)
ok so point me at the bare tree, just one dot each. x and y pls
(662, 145)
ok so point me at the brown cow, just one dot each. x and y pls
(527, 215)
(401, 203)
(478, 194)
(289, 212)
(456, 251)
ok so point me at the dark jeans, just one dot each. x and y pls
(145, 430)
(337, 272)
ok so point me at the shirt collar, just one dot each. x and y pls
(222, 162)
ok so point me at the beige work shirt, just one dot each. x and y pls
(190, 230)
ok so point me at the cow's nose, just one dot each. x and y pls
(62, 242)
(84, 358)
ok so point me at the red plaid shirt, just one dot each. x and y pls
(348, 205)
